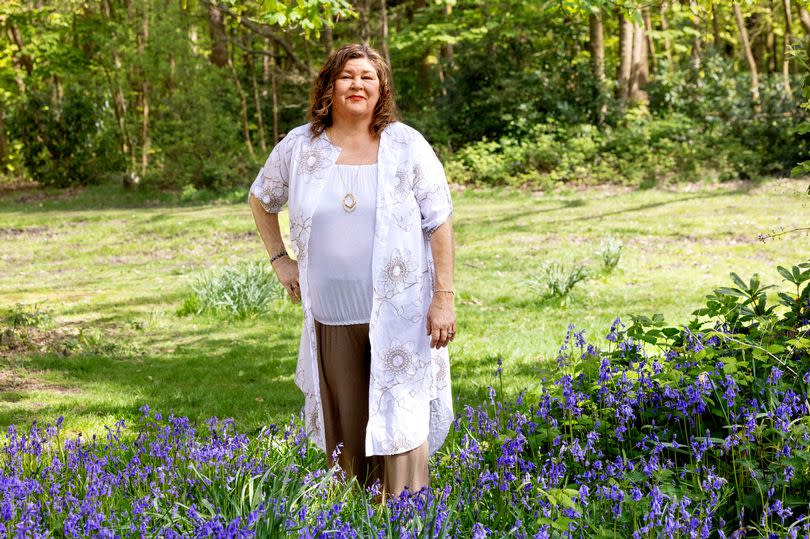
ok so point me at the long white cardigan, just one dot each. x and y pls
(409, 389)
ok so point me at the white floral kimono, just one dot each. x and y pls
(409, 390)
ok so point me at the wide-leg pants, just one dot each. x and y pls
(344, 363)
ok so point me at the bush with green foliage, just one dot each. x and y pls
(68, 144)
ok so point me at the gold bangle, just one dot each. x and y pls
(452, 292)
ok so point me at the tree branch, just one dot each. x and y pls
(264, 30)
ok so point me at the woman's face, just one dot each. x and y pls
(357, 90)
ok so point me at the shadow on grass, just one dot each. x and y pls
(107, 196)
(249, 379)
(741, 190)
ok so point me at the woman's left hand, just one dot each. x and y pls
(441, 320)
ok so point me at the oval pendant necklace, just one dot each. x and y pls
(349, 203)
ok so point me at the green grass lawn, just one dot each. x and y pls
(112, 268)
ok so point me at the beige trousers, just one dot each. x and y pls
(344, 363)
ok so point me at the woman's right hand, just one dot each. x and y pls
(287, 272)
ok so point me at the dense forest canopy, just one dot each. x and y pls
(176, 93)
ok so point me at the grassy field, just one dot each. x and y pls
(109, 270)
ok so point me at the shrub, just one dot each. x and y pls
(237, 291)
(67, 144)
(27, 316)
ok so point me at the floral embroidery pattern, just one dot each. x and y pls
(441, 369)
(311, 160)
(403, 186)
(399, 273)
(418, 176)
(300, 227)
(399, 359)
(272, 195)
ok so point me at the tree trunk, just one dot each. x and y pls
(243, 107)
(639, 69)
(219, 40)
(143, 38)
(22, 57)
(758, 40)
(384, 31)
(749, 56)
(773, 59)
(785, 45)
(274, 83)
(804, 17)
(648, 30)
(696, 44)
(131, 177)
(58, 92)
(364, 16)
(716, 39)
(625, 58)
(329, 38)
(597, 48)
(257, 102)
(447, 50)
(3, 139)
(665, 29)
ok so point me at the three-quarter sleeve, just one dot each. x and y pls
(272, 184)
(430, 187)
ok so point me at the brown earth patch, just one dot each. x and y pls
(28, 381)
(12, 232)
(39, 196)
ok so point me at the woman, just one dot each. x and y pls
(371, 231)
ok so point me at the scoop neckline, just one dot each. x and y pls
(360, 165)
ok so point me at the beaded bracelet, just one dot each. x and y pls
(276, 256)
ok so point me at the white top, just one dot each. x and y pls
(341, 245)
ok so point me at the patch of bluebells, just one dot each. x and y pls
(622, 442)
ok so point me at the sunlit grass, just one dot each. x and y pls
(121, 264)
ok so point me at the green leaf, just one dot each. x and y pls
(670, 332)
(738, 281)
(724, 291)
(786, 274)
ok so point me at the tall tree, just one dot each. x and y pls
(625, 64)
(648, 32)
(639, 68)
(219, 38)
(749, 57)
(785, 45)
(597, 49)
(665, 31)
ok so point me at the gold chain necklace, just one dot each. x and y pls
(349, 201)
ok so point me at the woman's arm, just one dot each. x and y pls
(286, 268)
(441, 320)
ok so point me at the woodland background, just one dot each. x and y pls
(191, 95)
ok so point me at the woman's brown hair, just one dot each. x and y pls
(320, 107)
